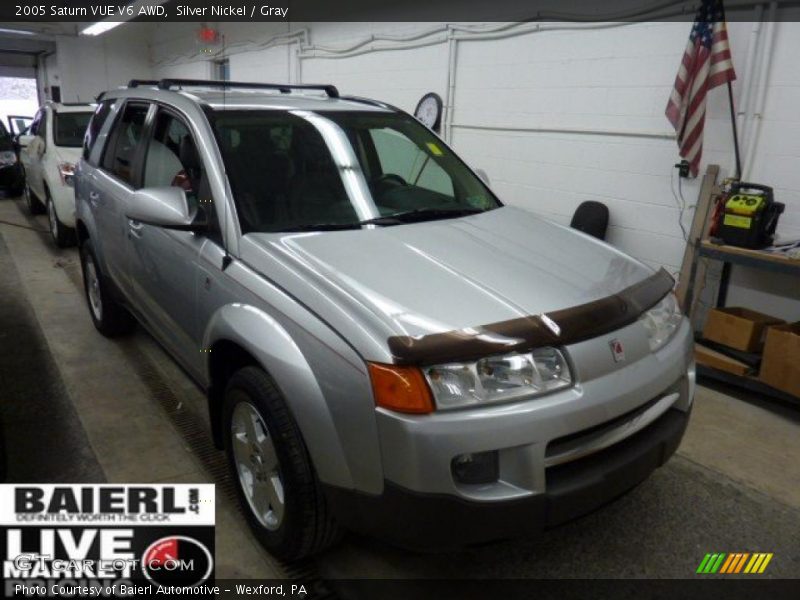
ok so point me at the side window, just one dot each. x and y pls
(121, 150)
(95, 125)
(172, 159)
(401, 157)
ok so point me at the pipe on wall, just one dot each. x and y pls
(763, 76)
(743, 112)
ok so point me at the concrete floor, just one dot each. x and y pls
(122, 411)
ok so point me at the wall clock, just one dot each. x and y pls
(429, 111)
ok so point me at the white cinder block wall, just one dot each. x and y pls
(90, 65)
(555, 116)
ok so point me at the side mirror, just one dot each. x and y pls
(163, 207)
(482, 174)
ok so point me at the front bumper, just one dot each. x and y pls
(559, 456)
(438, 521)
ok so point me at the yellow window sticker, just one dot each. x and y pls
(435, 150)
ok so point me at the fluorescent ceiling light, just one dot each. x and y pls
(17, 31)
(101, 27)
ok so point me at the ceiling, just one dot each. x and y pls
(39, 37)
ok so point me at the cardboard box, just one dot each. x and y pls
(780, 365)
(739, 328)
(712, 358)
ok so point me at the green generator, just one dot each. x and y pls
(749, 216)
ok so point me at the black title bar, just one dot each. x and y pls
(216, 11)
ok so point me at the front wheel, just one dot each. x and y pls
(275, 480)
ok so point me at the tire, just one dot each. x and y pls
(303, 525)
(63, 236)
(109, 317)
(35, 207)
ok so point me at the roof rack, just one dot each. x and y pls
(137, 82)
(371, 102)
(284, 88)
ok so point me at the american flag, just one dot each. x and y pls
(706, 64)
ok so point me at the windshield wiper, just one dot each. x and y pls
(342, 226)
(321, 227)
(425, 214)
(411, 216)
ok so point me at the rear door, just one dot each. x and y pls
(163, 263)
(113, 188)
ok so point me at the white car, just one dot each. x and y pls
(49, 150)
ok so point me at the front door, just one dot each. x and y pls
(163, 263)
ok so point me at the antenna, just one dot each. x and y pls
(226, 260)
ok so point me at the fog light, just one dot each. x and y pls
(480, 467)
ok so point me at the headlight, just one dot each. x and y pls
(67, 173)
(7, 158)
(662, 321)
(498, 378)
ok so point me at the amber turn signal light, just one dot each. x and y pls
(403, 389)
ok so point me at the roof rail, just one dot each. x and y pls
(284, 88)
(371, 102)
(137, 82)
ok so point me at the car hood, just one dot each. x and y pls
(433, 277)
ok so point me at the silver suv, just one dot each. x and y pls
(385, 346)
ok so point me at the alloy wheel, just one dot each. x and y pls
(93, 288)
(53, 219)
(257, 465)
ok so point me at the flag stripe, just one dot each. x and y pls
(706, 63)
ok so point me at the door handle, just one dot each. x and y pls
(94, 198)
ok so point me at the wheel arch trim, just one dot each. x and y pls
(274, 350)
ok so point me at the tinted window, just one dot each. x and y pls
(172, 158)
(120, 154)
(414, 170)
(284, 176)
(281, 171)
(95, 125)
(69, 128)
(402, 159)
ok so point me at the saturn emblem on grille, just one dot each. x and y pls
(617, 350)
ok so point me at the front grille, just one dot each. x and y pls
(566, 443)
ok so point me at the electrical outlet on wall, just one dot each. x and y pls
(683, 168)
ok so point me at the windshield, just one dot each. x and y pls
(69, 127)
(293, 171)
